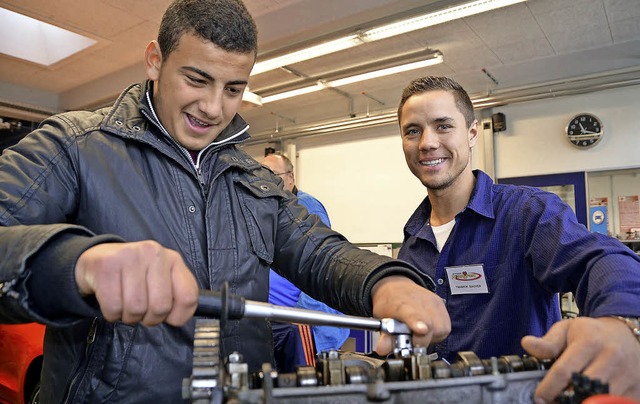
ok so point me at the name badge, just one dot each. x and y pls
(467, 279)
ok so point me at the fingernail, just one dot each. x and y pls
(539, 400)
(422, 326)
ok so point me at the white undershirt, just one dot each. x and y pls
(442, 233)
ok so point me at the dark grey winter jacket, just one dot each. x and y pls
(85, 178)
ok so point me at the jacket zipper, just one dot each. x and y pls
(201, 181)
(91, 337)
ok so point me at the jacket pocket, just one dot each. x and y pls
(259, 202)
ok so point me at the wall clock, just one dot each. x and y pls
(584, 130)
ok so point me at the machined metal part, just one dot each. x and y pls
(390, 380)
(206, 382)
(486, 389)
(409, 375)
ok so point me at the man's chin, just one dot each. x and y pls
(191, 143)
(435, 184)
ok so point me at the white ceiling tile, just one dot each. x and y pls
(626, 30)
(532, 42)
(620, 10)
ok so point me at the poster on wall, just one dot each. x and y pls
(629, 208)
(598, 222)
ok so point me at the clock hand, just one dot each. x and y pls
(582, 129)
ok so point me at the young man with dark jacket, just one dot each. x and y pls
(113, 220)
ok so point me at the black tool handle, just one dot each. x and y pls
(220, 305)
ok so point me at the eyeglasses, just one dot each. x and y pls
(286, 172)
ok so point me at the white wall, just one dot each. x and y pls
(363, 182)
(535, 141)
(362, 179)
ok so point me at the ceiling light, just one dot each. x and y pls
(294, 93)
(385, 31)
(250, 99)
(386, 72)
(438, 17)
(320, 85)
(307, 53)
(36, 41)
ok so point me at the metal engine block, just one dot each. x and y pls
(341, 377)
(408, 375)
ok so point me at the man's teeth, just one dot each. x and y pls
(198, 122)
(432, 162)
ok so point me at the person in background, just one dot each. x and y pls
(112, 221)
(290, 342)
(500, 254)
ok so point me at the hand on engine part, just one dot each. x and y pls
(421, 310)
(600, 348)
(140, 282)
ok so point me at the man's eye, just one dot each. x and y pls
(196, 80)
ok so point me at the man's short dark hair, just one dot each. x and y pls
(429, 83)
(226, 23)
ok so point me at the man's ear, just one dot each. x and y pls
(473, 133)
(153, 60)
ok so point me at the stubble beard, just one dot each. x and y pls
(449, 180)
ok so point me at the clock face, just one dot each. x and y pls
(584, 130)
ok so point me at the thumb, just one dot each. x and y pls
(384, 345)
(550, 345)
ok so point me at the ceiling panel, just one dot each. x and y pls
(525, 45)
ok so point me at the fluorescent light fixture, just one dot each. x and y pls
(438, 17)
(385, 31)
(36, 41)
(250, 99)
(294, 93)
(307, 53)
(386, 72)
(321, 85)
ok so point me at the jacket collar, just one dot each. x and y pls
(133, 111)
(235, 132)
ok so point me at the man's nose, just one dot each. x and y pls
(211, 105)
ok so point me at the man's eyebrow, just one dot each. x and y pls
(439, 120)
(408, 125)
(198, 71)
(443, 119)
(210, 77)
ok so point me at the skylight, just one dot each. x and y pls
(36, 41)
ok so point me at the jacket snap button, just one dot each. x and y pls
(440, 281)
(192, 209)
(264, 187)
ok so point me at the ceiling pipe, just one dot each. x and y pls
(554, 89)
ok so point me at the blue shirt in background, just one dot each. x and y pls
(531, 248)
(284, 293)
